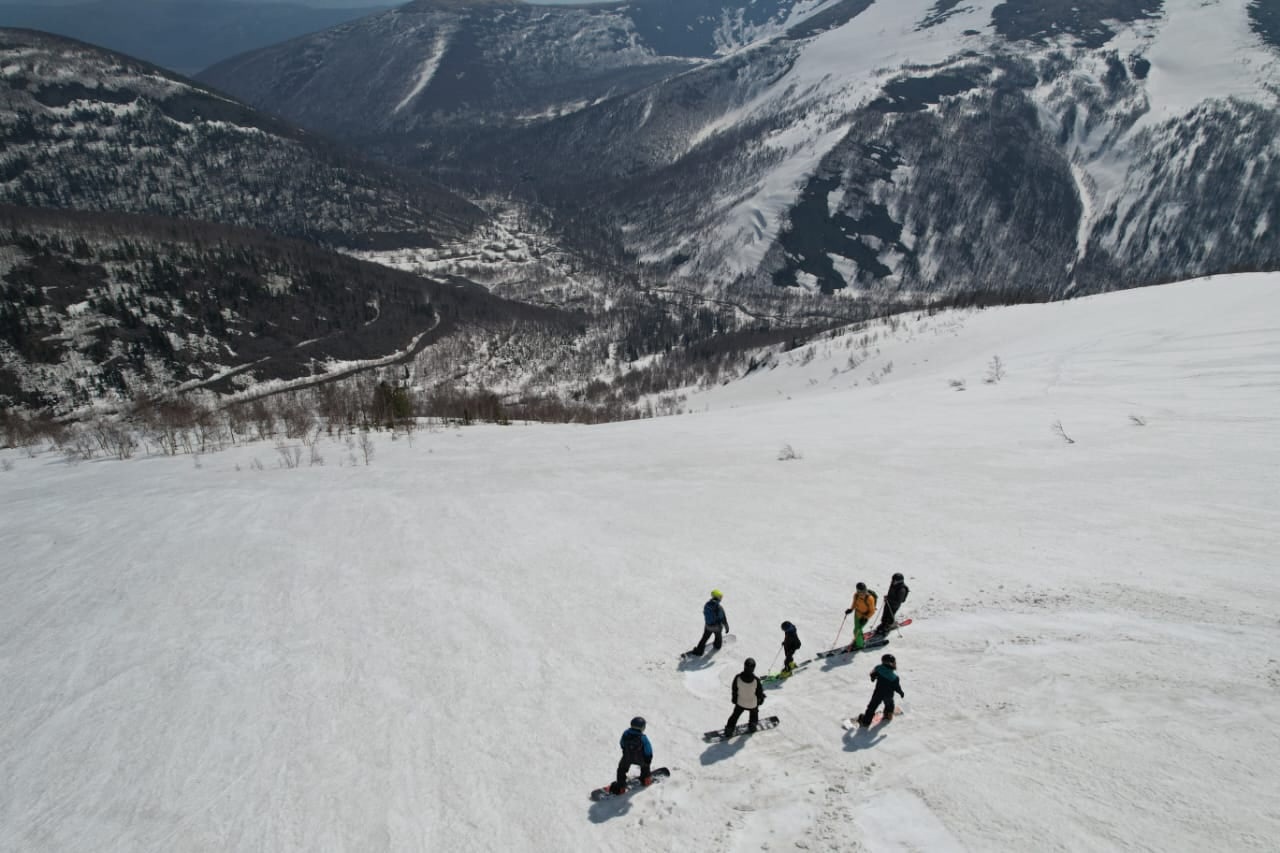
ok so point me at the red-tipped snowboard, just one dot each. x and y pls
(853, 723)
(659, 773)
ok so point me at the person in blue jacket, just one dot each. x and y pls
(636, 749)
(885, 678)
(715, 623)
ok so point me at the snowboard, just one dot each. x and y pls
(852, 723)
(689, 655)
(875, 633)
(659, 773)
(870, 643)
(765, 724)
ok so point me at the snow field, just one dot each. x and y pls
(440, 650)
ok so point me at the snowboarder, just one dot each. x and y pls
(790, 645)
(715, 623)
(885, 678)
(893, 599)
(748, 695)
(862, 608)
(636, 749)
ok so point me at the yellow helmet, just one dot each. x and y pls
(717, 594)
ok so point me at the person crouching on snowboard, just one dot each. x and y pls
(893, 599)
(862, 608)
(636, 749)
(748, 695)
(790, 645)
(715, 622)
(885, 677)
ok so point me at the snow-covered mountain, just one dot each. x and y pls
(86, 128)
(439, 650)
(1008, 147)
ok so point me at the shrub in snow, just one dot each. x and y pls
(1138, 420)
(1059, 431)
(957, 384)
(995, 370)
(788, 453)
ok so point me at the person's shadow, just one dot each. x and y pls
(860, 738)
(695, 664)
(722, 750)
(609, 808)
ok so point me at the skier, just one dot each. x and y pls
(893, 599)
(790, 645)
(862, 608)
(885, 677)
(748, 695)
(636, 749)
(715, 621)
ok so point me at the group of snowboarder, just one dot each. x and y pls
(747, 690)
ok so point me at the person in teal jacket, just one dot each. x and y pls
(885, 678)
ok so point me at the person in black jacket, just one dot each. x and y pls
(748, 695)
(790, 645)
(893, 599)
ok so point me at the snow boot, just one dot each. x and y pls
(616, 789)
(646, 780)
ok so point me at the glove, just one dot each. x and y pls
(847, 612)
(900, 693)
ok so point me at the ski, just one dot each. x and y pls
(876, 643)
(766, 723)
(876, 634)
(659, 773)
(776, 677)
(852, 723)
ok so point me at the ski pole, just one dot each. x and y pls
(775, 660)
(895, 623)
(836, 641)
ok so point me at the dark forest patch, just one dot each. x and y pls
(1041, 20)
(1264, 18)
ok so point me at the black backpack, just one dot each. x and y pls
(632, 746)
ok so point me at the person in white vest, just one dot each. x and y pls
(748, 695)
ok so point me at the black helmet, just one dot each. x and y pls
(861, 586)
(749, 664)
(787, 626)
(890, 660)
(637, 723)
(898, 576)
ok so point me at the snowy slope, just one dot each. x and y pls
(440, 650)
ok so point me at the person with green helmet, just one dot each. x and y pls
(715, 623)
